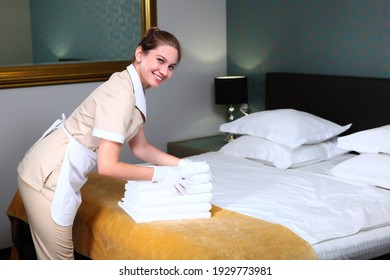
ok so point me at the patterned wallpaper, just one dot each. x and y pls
(84, 29)
(344, 37)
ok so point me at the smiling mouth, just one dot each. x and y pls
(158, 77)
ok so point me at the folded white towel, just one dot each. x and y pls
(149, 194)
(197, 179)
(189, 188)
(160, 189)
(144, 190)
(132, 197)
(194, 168)
(143, 218)
(147, 186)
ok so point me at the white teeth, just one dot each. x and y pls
(158, 78)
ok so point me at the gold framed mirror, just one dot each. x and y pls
(81, 72)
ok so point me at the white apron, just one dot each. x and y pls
(78, 162)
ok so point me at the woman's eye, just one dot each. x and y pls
(171, 67)
(160, 60)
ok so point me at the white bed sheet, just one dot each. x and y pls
(340, 219)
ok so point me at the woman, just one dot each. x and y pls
(55, 168)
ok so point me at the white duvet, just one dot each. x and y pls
(314, 205)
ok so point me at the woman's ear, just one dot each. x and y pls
(138, 54)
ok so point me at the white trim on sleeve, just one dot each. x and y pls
(108, 135)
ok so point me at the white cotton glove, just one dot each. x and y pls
(183, 163)
(167, 176)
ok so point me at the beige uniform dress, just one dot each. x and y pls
(113, 112)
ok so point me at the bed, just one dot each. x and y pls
(251, 217)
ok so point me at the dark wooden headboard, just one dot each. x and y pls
(362, 101)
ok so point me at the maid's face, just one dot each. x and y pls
(156, 66)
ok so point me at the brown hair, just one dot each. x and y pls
(155, 37)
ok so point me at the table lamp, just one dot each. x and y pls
(231, 90)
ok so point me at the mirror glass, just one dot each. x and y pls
(65, 41)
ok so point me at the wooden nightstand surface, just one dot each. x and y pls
(196, 146)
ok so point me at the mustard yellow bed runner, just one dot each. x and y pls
(102, 230)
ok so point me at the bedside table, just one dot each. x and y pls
(196, 146)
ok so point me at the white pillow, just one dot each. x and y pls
(368, 168)
(268, 152)
(375, 140)
(285, 126)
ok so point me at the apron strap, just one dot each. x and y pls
(57, 124)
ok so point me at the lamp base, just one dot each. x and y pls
(244, 108)
(230, 113)
(229, 138)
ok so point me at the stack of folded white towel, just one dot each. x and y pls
(189, 198)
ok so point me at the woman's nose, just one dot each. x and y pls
(164, 71)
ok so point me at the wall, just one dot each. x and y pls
(346, 37)
(182, 108)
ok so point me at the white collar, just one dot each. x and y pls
(140, 101)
